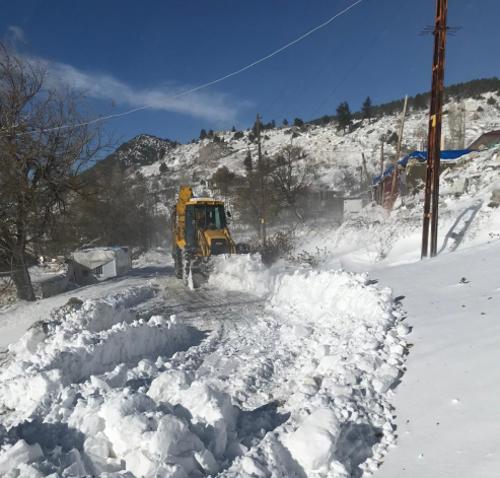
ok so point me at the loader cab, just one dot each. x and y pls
(204, 219)
(208, 216)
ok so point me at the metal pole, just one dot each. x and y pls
(431, 198)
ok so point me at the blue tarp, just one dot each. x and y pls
(447, 155)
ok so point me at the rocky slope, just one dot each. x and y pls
(334, 157)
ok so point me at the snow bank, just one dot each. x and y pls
(243, 273)
(320, 296)
(82, 339)
(345, 351)
(149, 437)
(92, 393)
(299, 386)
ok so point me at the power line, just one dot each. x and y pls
(367, 51)
(207, 84)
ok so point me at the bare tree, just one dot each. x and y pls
(41, 155)
(290, 175)
(256, 196)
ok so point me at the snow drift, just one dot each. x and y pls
(301, 388)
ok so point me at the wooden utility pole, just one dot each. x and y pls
(364, 172)
(262, 199)
(395, 173)
(431, 198)
(381, 172)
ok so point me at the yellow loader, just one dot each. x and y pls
(199, 231)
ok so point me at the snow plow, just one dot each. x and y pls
(199, 231)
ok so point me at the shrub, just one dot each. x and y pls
(278, 246)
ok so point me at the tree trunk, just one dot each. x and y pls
(21, 278)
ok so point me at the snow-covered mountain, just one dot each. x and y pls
(142, 150)
(335, 157)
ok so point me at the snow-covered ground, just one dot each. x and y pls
(447, 406)
(308, 375)
(153, 379)
(310, 368)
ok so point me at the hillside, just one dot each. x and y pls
(335, 157)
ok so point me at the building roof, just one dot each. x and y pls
(486, 140)
(96, 256)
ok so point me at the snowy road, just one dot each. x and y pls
(152, 379)
(447, 404)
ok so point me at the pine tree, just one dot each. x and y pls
(298, 122)
(233, 129)
(367, 109)
(248, 162)
(285, 122)
(256, 126)
(344, 117)
(419, 102)
(203, 134)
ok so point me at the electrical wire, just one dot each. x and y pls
(204, 85)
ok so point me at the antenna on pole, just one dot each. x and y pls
(431, 198)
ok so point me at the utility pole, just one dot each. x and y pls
(463, 117)
(382, 172)
(395, 173)
(364, 172)
(260, 169)
(431, 199)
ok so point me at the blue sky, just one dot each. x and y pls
(128, 53)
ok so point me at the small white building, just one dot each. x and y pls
(353, 205)
(100, 263)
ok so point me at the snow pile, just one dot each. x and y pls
(339, 350)
(313, 444)
(242, 273)
(351, 352)
(179, 427)
(60, 377)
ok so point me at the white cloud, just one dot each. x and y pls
(216, 107)
(16, 34)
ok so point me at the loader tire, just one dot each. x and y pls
(178, 263)
(186, 265)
